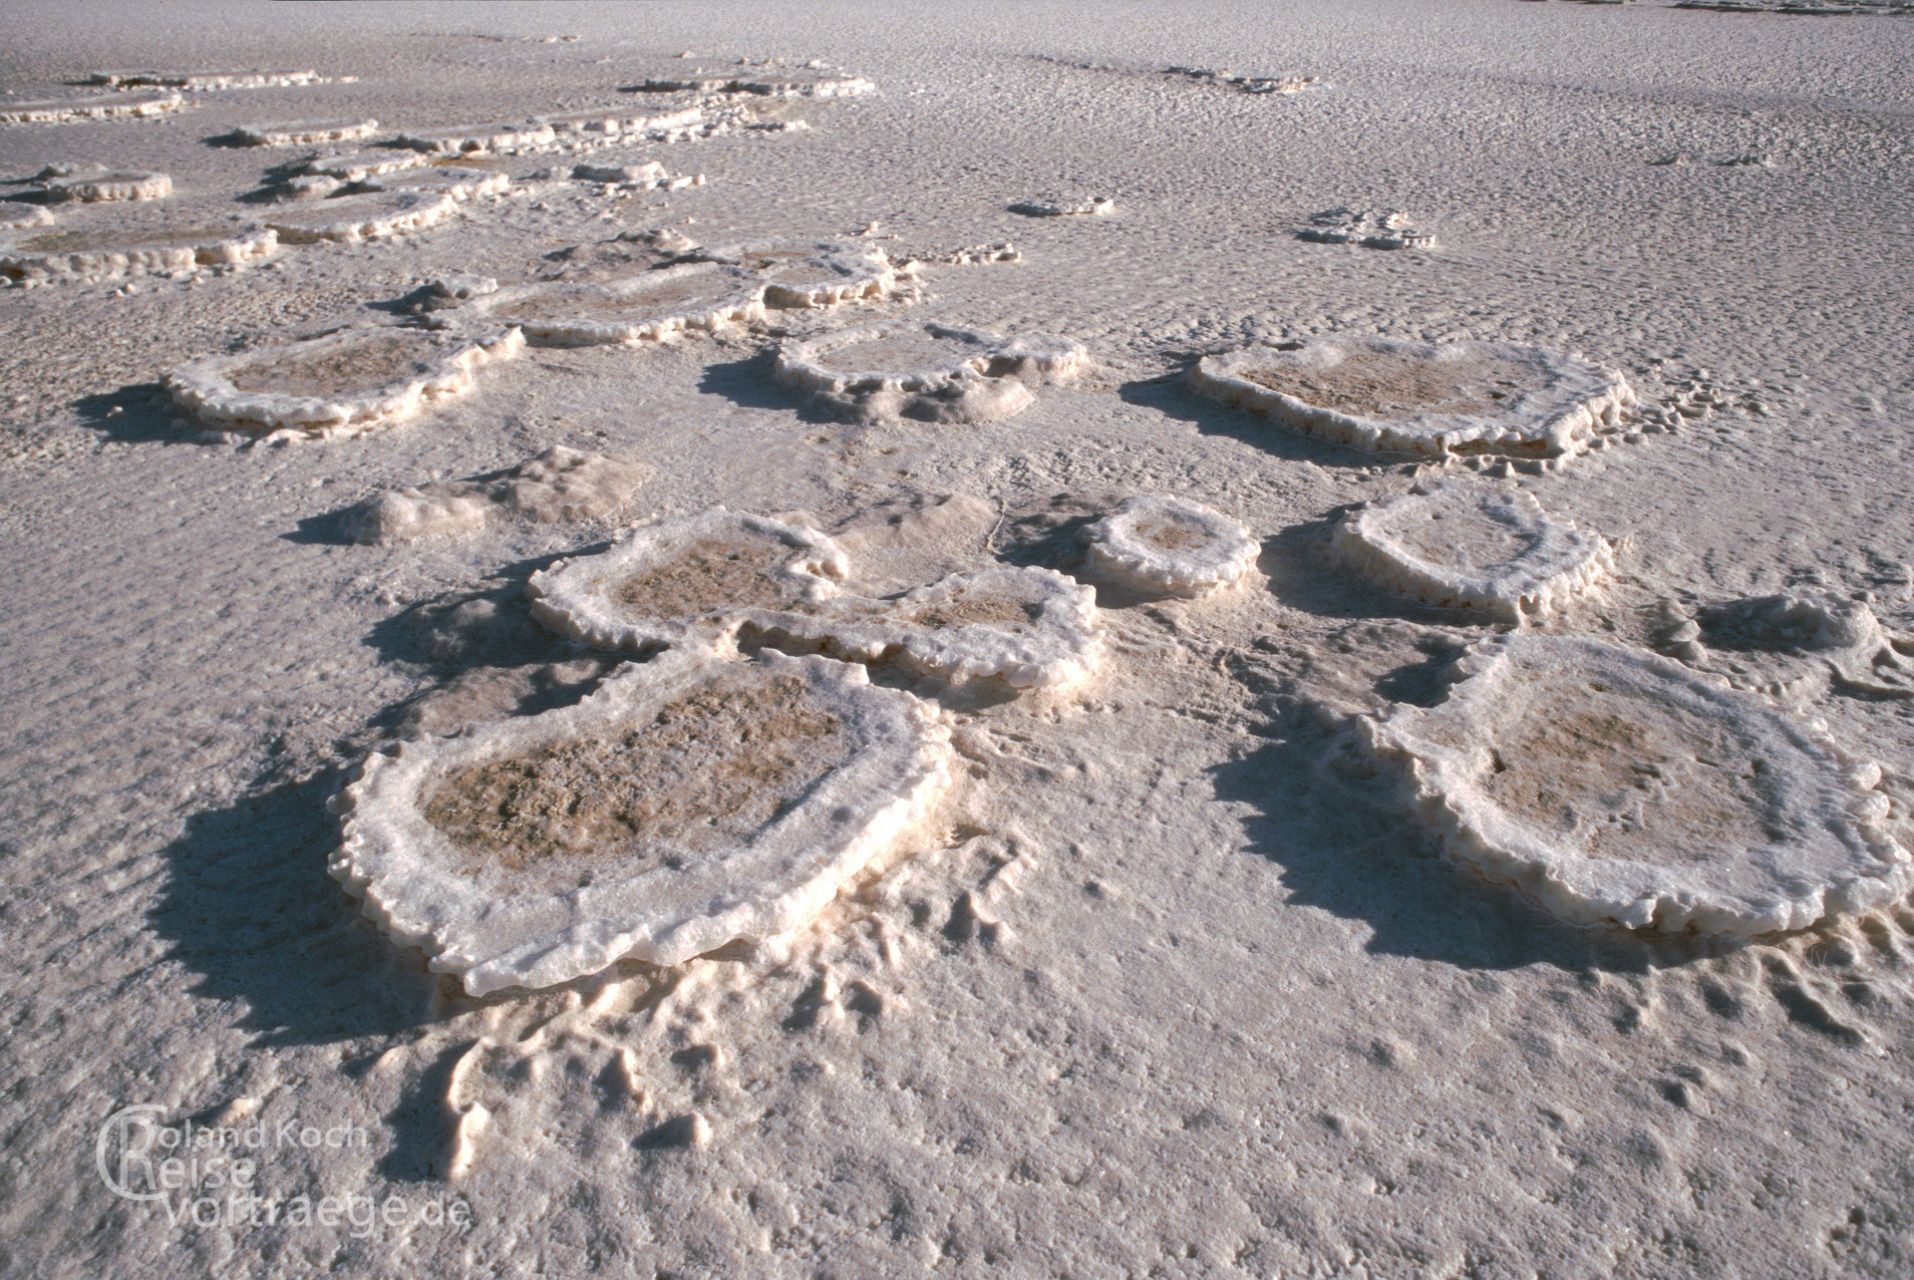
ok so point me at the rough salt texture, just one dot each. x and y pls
(1066, 207)
(59, 184)
(42, 256)
(1366, 229)
(932, 372)
(372, 215)
(1795, 643)
(648, 175)
(111, 106)
(305, 133)
(357, 166)
(481, 139)
(18, 217)
(559, 484)
(1166, 545)
(1246, 84)
(1434, 399)
(1473, 546)
(535, 850)
(808, 277)
(1616, 787)
(693, 580)
(337, 385)
(453, 182)
(762, 83)
(1022, 628)
(205, 81)
(650, 306)
(606, 124)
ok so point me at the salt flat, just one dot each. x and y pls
(1166, 967)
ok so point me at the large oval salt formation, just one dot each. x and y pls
(928, 371)
(1436, 399)
(1473, 546)
(1170, 546)
(688, 803)
(1617, 787)
(690, 580)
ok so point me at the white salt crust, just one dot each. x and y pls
(648, 176)
(206, 81)
(62, 184)
(110, 106)
(371, 215)
(579, 598)
(503, 138)
(1066, 207)
(357, 166)
(758, 83)
(1472, 546)
(29, 257)
(1568, 399)
(650, 306)
(950, 631)
(444, 366)
(988, 378)
(1166, 545)
(454, 183)
(1366, 229)
(559, 484)
(1617, 787)
(305, 133)
(603, 124)
(811, 277)
(1793, 644)
(418, 886)
(19, 217)
(1281, 85)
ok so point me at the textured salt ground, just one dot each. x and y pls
(1174, 990)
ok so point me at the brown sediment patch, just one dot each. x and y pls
(1390, 384)
(1629, 781)
(975, 611)
(709, 575)
(1172, 532)
(373, 361)
(707, 770)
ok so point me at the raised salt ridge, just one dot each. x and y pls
(1795, 643)
(1366, 229)
(305, 133)
(58, 184)
(205, 81)
(690, 802)
(1617, 787)
(813, 276)
(799, 82)
(1245, 84)
(1025, 628)
(371, 215)
(107, 106)
(646, 176)
(509, 138)
(1170, 546)
(1066, 207)
(932, 372)
(1474, 546)
(18, 217)
(603, 124)
(1434, 399)
(558, 484)
(453, 182)
(691, 580)
(646, 307)
(34, 256)
(357, 166)
(337, 385)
